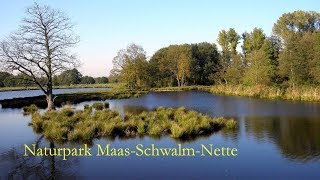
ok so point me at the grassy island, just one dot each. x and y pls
(98, 121)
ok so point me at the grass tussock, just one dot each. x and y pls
(30, 109)
(85, 125)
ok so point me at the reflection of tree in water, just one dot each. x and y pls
(33, 167)
(297, 138)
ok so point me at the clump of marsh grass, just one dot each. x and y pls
(85, 125)
(98, 106)
(106, 105)
(30, 109)
(231, 124)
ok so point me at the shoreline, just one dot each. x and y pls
(301, 94)
(298, 94)
(108, 85)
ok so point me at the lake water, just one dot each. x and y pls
(30, 93)
(274, 139)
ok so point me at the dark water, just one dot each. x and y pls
(30, 93)
(274, 139)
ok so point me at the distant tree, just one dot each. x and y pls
(101, 80)
(234, 73)
(181, 56)
(7, 79)
(296, 23)
(160, 69)
(87, 80)
(298, 62)
(253, 41)
(131, 63)
(56, 80)
(292, 63)
(70, 77)
(40, 48)
(259, 70)
(114, 76)
(315, 61)
(205, 59)
(228, 40)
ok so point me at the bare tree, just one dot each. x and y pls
(40, 47)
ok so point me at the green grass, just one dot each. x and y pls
(307, 93)
(30, 109)
(83, 125)
(303, 93)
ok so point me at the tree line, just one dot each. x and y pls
(287, 58)
(66, 78)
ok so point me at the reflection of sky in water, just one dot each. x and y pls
(274, 138)
(30, 93)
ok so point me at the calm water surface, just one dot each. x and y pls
(30, 93)
(274, 139)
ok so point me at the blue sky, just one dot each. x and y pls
(106, 26)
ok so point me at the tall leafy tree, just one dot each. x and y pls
(297, 22)
(181, 56)
(205, 59)
(70, 77)
(228, 40)
(253, 41)
(131, 63)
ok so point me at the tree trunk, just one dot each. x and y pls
(50, 102)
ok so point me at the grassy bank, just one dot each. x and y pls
(92, 122)
(182, 88)
(297, 93)
(108, 85)
(268, 92)
(71, 98)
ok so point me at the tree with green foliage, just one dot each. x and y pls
(132, 65)
(315, 61)
(253, 41)
(101, 80)
(87, 80)
(171, 65)
(70, 77)
(259, 71)
(205, 59)
(259, 68)
(160, 72)
(228, 40)
(7, 79)
(298, 31)
(114, 76)
(296, 23)
(181, 56)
